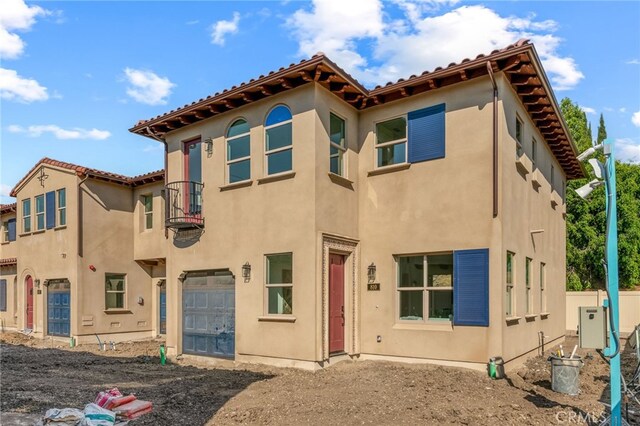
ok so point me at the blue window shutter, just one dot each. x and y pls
(50, 202)
(11, 224)
(426, 134)
(471, 287)
(3, 295)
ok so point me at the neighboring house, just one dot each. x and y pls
(423, 220)
(83, 253)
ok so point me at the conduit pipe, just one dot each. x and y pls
(495, 139)
(166, 162)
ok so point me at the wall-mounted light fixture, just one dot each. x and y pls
(37, 283)
(371, 272)
(246, 272)
(46, 283)
(182, 277)
(208, 146)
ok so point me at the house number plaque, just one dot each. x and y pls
(373, 287)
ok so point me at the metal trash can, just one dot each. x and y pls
(565, 374)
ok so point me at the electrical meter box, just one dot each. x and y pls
(593, 327)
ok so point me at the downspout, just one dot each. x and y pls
(495, 139)
(80, 218)
(166, 162)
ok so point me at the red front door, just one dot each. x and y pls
(29, 289)
(336, 303)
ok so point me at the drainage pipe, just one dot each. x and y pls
(495, 139)
(166, 162)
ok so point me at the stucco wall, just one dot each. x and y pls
(245, 223)
(524, 209)
(433, 206)
(9, 250)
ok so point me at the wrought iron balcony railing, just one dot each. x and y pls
(184, 205)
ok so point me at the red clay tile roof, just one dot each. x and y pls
(8, 261)
(7, 208)
(94, 174)
(519, 62)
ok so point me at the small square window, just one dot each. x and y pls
(115, 286)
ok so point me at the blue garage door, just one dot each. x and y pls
(59, 308)
(208, 309)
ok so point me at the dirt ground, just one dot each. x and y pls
(35, 376)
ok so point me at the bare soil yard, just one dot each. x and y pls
(34, 377)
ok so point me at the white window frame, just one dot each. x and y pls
(5, 232)
(267, 153)
(510, 287)
(341, 149)
(528, 284)
(123, 291)
(62, 210)
(40, 214)
(543, 287)
(425, 289)
(520, 139)
(26, 217)
(268, 285)
(248, 157)
(404, 140)
(147, 213)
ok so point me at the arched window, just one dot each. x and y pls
(278, 141)
(238, 152)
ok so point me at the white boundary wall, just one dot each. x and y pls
(629, 308)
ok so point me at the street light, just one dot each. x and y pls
(607, 172)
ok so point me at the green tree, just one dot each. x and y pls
(586, 219)
(602, 130)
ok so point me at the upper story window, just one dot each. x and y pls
(553, 178)
(39, 212)
(519, 137)
(238, 152)
(278, 141)
(337, 144)
(391, 142)
(62, 207)
(534, 153)
(5, 232)
(26, 215)
(147, 201)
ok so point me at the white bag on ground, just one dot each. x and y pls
(95, 415)
(63, 416)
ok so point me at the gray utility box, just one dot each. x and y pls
(593, 327)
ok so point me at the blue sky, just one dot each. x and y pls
(75, 75)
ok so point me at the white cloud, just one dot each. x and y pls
(633, 62)
(588, 110)
(635, 119)
(14, 87)
(15, 15)
(334, 27)
(419, 42)
(147, 87)
(221, 28)
(5, 190)
(194, 22)
(627, 150)
(60, 133)
(623, 110)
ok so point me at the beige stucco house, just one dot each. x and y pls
(82, 254)
(312, 219)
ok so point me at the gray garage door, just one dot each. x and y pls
(58, 307)
(208, 309)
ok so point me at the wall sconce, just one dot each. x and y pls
(37, 283)
(182, 277)
(93, 268)
(46, 283)
(371, 272)
(246, 272)
(161, 282)
(208, 146)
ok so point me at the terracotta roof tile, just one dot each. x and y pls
(8, 261)
(92, 173)
(6, 208)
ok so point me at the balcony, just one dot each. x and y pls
(184, 205)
